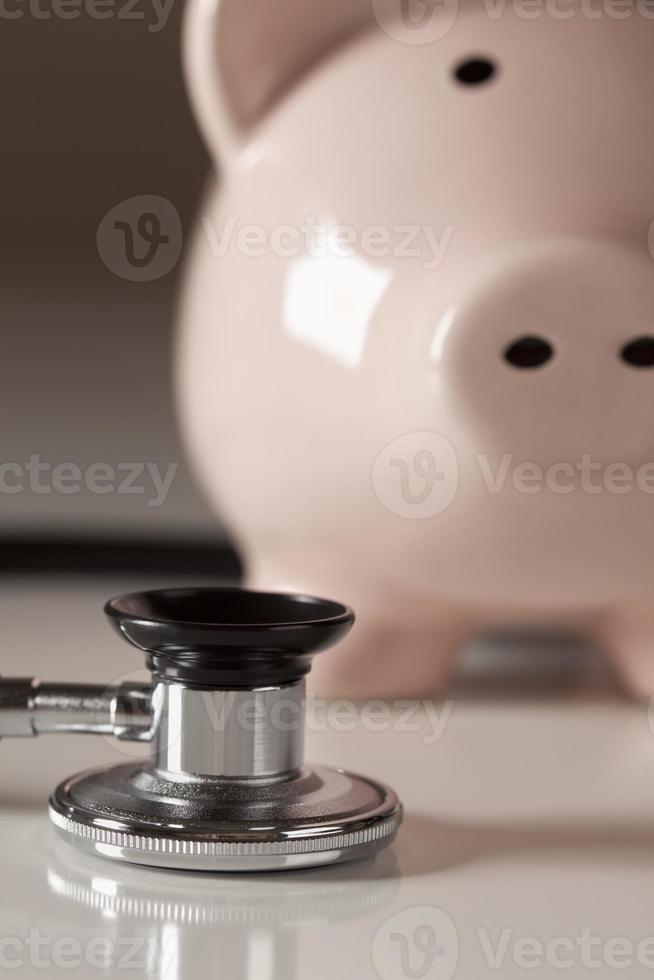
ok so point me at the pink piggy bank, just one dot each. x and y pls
(416, 358)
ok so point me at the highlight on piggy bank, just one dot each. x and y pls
(416, 344)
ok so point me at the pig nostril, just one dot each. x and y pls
(529, 352)
(639, 352)
(474, 71)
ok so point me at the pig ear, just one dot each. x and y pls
(242, 55)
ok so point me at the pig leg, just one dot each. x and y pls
(388, 657)
(629, 641)
(398, 647)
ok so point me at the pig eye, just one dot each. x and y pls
(529, 352)
(639, 352)
(475, 71)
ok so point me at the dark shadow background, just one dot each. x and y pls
(93, 111)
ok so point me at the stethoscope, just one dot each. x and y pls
(226, 787)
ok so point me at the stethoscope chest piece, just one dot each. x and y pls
(225, 787)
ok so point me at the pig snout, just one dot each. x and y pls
(549, 352)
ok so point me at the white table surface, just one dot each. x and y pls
(527, 846)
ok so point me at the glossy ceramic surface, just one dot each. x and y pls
(415, 353)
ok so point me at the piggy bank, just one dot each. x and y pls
(415, 364)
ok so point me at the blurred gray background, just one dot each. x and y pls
(93, 112)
